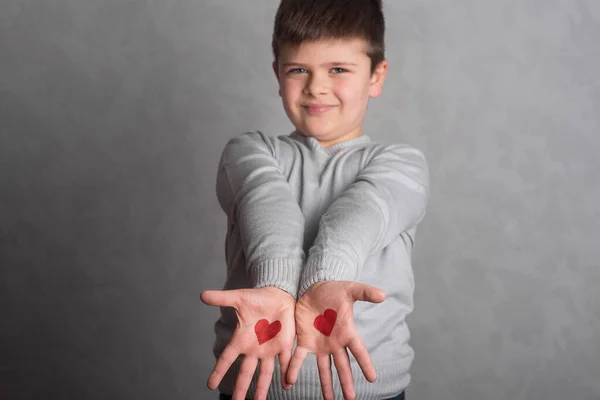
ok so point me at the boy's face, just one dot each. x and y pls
(325, 87)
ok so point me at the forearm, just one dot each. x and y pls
(258, 199)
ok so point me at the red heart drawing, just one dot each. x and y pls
(324, 323)
(265, 331)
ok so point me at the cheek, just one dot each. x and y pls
(351, 93)
(291, 92)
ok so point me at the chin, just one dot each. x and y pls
(320, 134)
(316, 135)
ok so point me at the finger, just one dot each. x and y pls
(244, 378)
(362, 292)
(220, 298)
(284, 363)
(342, 364)
(360, 352)
(298, 358)
(324, 365)
(227, 357)
(267, 365)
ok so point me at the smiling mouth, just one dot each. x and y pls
(318, 109)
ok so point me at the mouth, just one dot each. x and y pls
(317, 109)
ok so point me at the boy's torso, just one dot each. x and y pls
(317, 177)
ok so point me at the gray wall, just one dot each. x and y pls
(112, 118)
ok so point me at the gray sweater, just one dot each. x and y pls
(299, 214)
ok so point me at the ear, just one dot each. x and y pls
(276, 70)
(377, 78)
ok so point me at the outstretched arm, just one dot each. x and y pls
(258, 200)
(387, 198)
(256, 196)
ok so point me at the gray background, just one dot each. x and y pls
(112, 117)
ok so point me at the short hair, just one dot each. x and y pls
(299, 21)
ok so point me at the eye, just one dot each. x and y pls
(339, 70)
(296, 71)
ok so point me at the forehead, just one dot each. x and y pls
(330, 50)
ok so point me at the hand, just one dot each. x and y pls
(265, 329)
(325, 327)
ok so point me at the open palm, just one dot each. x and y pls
(265, 329)
(325, 327)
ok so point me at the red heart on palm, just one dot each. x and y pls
(265, 331)
(324, 323)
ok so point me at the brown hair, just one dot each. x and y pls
(299, 21)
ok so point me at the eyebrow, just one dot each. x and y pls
(334, 64)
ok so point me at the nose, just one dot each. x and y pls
(317, 84)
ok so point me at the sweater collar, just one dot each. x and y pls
(314, 144)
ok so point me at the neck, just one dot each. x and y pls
(325, 143)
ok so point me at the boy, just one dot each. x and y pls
(314, 219)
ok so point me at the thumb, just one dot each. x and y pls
(220, 298)
(362, 292)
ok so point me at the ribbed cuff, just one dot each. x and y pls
(281, 273)
(324, 268)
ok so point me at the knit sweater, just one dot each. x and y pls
(299, 214)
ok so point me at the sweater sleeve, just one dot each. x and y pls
(256, 197)
(388, 197)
